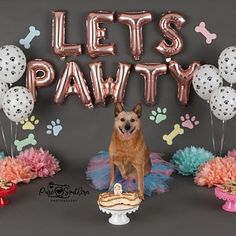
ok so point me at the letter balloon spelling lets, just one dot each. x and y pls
(102, 88)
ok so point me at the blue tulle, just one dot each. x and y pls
(157, 181)
(189, 159)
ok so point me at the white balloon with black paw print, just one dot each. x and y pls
(18, 103)
(223, 103)
(227, 64)
(12, 63)
(206, 79)
(3, 89)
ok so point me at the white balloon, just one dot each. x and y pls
(18, 103)
(223, 103)
(12, 63)
(3, 90)
(206, 79)
(227, 64)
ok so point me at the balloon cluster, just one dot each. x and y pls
(72, 80)
(208, 84)
(16, 102)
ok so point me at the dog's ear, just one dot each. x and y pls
(138, 110)
(118, 108)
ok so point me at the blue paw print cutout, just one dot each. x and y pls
(54, 128)
(158, 115)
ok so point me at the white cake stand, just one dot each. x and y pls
(118, 214)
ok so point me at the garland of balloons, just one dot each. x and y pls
(17, 102)
(208, 84)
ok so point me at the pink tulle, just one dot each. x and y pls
(41, 161)
(216, 171)
(16, 170)
(232, 153)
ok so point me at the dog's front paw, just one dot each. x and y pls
(141, 195)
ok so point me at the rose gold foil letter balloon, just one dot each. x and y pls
(95, 33)
(173, 43)
(135, 22)
(34, 79)
(64, 87)
(150, 73)
(109, 87)
(58, 37)
(183, 78)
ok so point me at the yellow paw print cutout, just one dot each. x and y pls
(29, 124)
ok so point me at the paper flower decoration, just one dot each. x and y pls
(16, 170)
(189, 159)
(232, 153)
(42, 163)
(2, 155)
(217, 171)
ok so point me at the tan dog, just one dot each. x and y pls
(128, 150)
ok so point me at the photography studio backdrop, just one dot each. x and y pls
(85, 132)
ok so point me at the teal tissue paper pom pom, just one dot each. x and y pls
(2, 155)
(189, 159)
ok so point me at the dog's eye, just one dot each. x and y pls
(132, 120)
(122, 119)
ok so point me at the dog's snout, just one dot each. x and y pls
(127, 126)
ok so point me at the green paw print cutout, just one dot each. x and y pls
(29, 124)
(159, 115)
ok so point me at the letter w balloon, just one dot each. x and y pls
(103, 88)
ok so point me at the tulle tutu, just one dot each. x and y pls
(156, 182)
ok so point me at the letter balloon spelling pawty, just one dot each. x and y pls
(34, 80)
(183, 78)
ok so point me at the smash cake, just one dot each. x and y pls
(4, 184)
(118, 200)
(229, 187)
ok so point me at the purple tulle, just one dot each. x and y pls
(156, 182)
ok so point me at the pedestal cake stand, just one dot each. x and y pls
(230, 199)
(118, 214)
(4, 193)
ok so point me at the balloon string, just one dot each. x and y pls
(222, 137)
(212, 131)
(3, 137)
(15, 138)
(11, 140)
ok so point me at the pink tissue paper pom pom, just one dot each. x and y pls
(232, 153)
(216, 171)
(43, 163)
(16, 170)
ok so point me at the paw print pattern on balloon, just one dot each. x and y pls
(3, 89)
(18, 103)
(205, 80)
(227, 64)
(12, 63)
(188, 121)
(29, 123)
(223, 103)
(54, 128)
(159, 115)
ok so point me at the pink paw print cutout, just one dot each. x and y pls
(188, 121)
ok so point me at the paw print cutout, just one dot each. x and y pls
(54, 128)
(159, 115)
(189, 122)
(29, 124)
